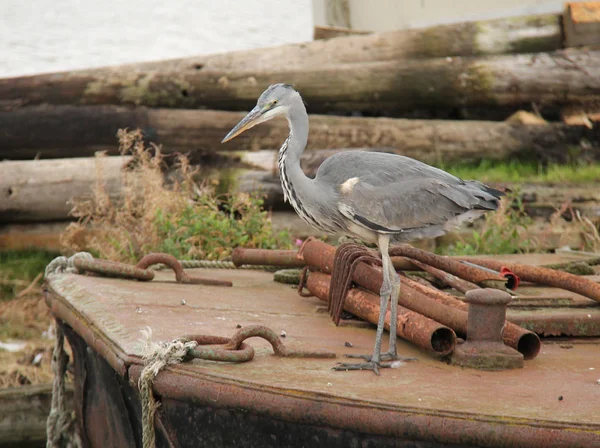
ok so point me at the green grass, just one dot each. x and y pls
(210, 229)
(518, 171)
(504, 231)
(18, 268)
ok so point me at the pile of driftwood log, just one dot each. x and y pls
(445, 94)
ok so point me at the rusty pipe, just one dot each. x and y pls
(241, 256)
(414, 327)
(437, 305)
(567, 323)
(545, 276)
(288, 258)
(446, 264)
(451, 280)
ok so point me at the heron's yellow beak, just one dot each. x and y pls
(254, 117)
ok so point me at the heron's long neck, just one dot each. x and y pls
(292, 149)
(298, 122)
(299, 190)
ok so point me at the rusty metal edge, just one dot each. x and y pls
(187, 383)
(112, 353)
(372, 417)
(567, 324)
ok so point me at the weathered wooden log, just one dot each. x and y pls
(548, 79)
(71, 131)
(32, 235)
(540, 200)
(545, 237)
(40, 190)
(23, 414)
(528, 34)
(581, 24)
(47, 235)
(544, 200)
(329, 32)
(582, 115)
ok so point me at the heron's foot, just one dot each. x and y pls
(387, 361)
(392, 355)
(371, 365)
(387, 357)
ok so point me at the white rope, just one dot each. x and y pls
(65, 265)
(217, 264)
(61, 429)
(157, 356)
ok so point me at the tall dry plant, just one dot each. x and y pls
(590, 232)
(122, 228)
(158, 213)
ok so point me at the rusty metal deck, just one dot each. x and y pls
(553, 401)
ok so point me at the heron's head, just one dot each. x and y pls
(274, 101)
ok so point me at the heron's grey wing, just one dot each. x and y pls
(412, 204)
(377, 168)
(389, 193)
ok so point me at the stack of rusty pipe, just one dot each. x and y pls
(428, 317)
(438, 307)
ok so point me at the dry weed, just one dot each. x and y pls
(155, 212)
(589, 232)
(31, 366)
(574, 223)
(25, 319)
(123, 228)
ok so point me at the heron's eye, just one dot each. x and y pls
(274, 102)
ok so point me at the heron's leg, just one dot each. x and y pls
(395, 284)
(386, 289)
(392, 354)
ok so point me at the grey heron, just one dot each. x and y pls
(378, 197)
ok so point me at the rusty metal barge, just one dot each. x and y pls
(549, 400)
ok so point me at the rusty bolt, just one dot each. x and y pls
(484, 348)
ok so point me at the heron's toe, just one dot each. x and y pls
(344, 366)
(365, 357)
(393, 356)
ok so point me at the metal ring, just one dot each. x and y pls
(211, 348)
